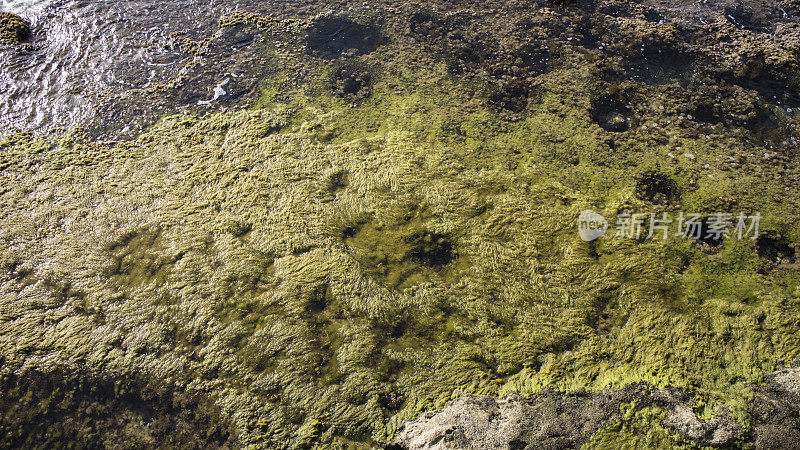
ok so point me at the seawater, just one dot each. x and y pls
(82, 51)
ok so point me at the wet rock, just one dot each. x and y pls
(330, 36)
(752, 19)
(612, 114)
(13, 29)
(352, 81)
(95, 411)
(431, 249)
(787, 382)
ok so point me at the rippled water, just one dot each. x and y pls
(28, 8)
(86, 51)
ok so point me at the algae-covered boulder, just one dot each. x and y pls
(13, 28)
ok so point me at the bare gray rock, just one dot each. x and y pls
(558, 421)
(551, 421)
(774, 411)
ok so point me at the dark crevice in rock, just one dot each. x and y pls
(320, 298)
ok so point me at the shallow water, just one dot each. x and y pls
(84, 52)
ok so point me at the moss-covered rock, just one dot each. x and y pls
(13, 28)
(379, 235)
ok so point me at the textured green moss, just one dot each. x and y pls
(639, 429)
(322, 267)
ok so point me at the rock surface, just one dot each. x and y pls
(549, 421)
(559, 421)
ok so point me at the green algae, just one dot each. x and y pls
(322, 269)
(639, 428)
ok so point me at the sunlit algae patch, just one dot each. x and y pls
(317, 270)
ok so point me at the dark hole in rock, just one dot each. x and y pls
(511, 97)
(704, 233)
(431, 249)
(418, 18)
(772, 87)
(588, 38)
(657, 188)
(349, 232)
(776, 249)
(466, 54)
(391, 401)
(766, 127)
(319, 299)
(611, 114)
(615, 9)
(535, 57)
(329, 37)
(336, 180)
(239, 228)
(753, 115)
(352, 82)
(399, 330)
(424, 24)
(652, 15)
(706, 112)
(758, 21)
(401, 252)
